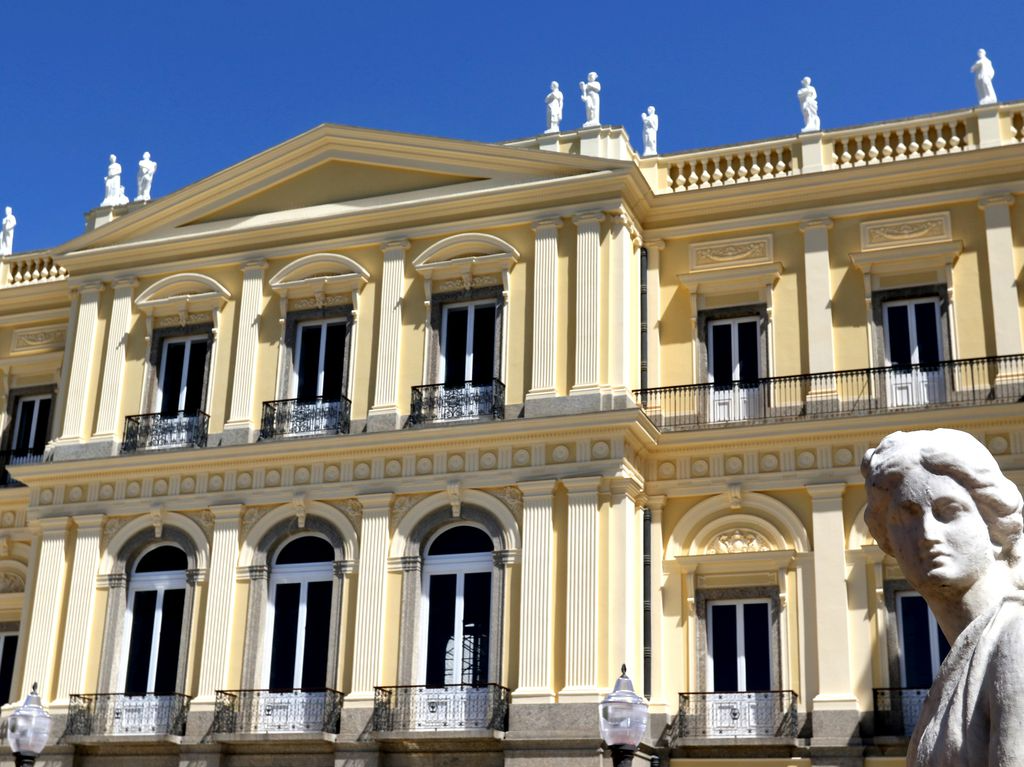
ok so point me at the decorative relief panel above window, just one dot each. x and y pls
(723, 254)
(907, 230)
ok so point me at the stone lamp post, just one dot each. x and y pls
(623, 720)
(28, 729)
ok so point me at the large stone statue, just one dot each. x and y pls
(650, 120)
(984, 74)
(554, 100)
(939, 504)
(7, 232)
(808, 97)
(112, 185)
(147, 169)
(591, 96)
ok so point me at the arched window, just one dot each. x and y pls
(153, 623)
(299, 615)
(457, 594)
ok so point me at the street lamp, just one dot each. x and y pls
(28, 729)
(623, 720)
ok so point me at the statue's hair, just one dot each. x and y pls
(950, 453)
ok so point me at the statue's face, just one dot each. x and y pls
(554, 85)
(938, 535)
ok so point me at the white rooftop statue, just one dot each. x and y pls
(7, 232)
(591, 96)
(554, 100)
(147, 169)
(650, 120)
(939, 503)
(984, 74)
(114, 192)
(808, 97)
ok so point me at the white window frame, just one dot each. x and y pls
(734, 340)
(933, 637)
(470, 320)
(303, 573)
(322, 323)
(35, 399)
(161, 583)
(741, 659)
(915, 355)
(183, 392)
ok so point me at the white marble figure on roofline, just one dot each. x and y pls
(144, 178)
(554, 101)
(938, 502)
(650, 134)
(808, 97)
(984, 74)
(7, 232)
(590, 95)
(114, 191)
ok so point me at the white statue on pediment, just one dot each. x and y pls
(650, 134)
(590, 95)
(147, 169)
(984, 74)
(7, 232)
(114, 191)
(808, 97)
(554, 101)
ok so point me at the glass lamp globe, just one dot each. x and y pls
(623, 715)
(28, 728)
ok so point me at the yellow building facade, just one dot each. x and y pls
(378, 449)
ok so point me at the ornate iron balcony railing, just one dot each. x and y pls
(451, 707)
(770, 714)
(267, 711)
(305, 417)
(956, 383)
(154, 431)
(16, 458)
(897, 710)
(121, 714)
(457, 402)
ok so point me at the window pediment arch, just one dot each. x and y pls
(464, 261)
(12, 577)
(182, 299)
(130, 541)
(282, 523)
(320, 278)
(738, 534)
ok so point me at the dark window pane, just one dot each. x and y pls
(747, 343)
(721, 355)
(9, 652)
(140, 644)
(170, 642)
(440, 628)
(308, 548)
(476, 625)
(308, 365)
(42, 432)
(461, 539)
(455, 347)
(917, 647)
(483, 345)
(174, 361)
(756, 647)
(898, 328)
(334, 359)
(723, 648)
(927, 333)
(23, 438)
(196, 374)
(318, 629)
(282, 648)
(162, 559)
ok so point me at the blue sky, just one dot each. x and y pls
(205, 83)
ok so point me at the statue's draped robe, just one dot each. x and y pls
(974, 713)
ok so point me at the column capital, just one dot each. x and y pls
(588, 217)
(582, 484)
(227, 512)
(1005, 199)
(826, 490)
(624, 486)
(125, 282)
(656, 502)
(375, 502)
(255, 265)
(92, 287)
(545, 224)
(89, 521)
(397, 244)
(49, 526)
(654, 244)
(816, 223)
(537, 488)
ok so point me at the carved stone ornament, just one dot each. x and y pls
(400, 507)
(38, 339)
(180, 320)
(110, 528)
(909, 230)
(11, 583)
(738, 542)
(352, 508)
(250, 517)
(735, 252)
(512, 497)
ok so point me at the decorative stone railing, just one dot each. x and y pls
(1017, 126)
(908, 140)
(735, 165)
(28, 269)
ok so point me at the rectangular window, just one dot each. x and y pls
(8, 652)
(31, 428)
(467, 344)
(739, 641)
(913, 350)
(182, 374)
(734, 368)
(923, 646)
(155, 617)
(319, 359)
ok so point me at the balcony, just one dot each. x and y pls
(305, 417)
(897, 710)
(735, 715)
(119, 714)
(455, 403)
(870, 391)
(10, 458)
(441, 709)
(156, 431)
(254, 712)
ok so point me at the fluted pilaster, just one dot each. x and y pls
(80, 602)
(371, 598)
(581, 624)
(545, 306)
(588, 301)
(384, 413)
(113, 368)
(247, 345)
(82, 361)
(220, 599)
(46, 609)
(535, 614)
